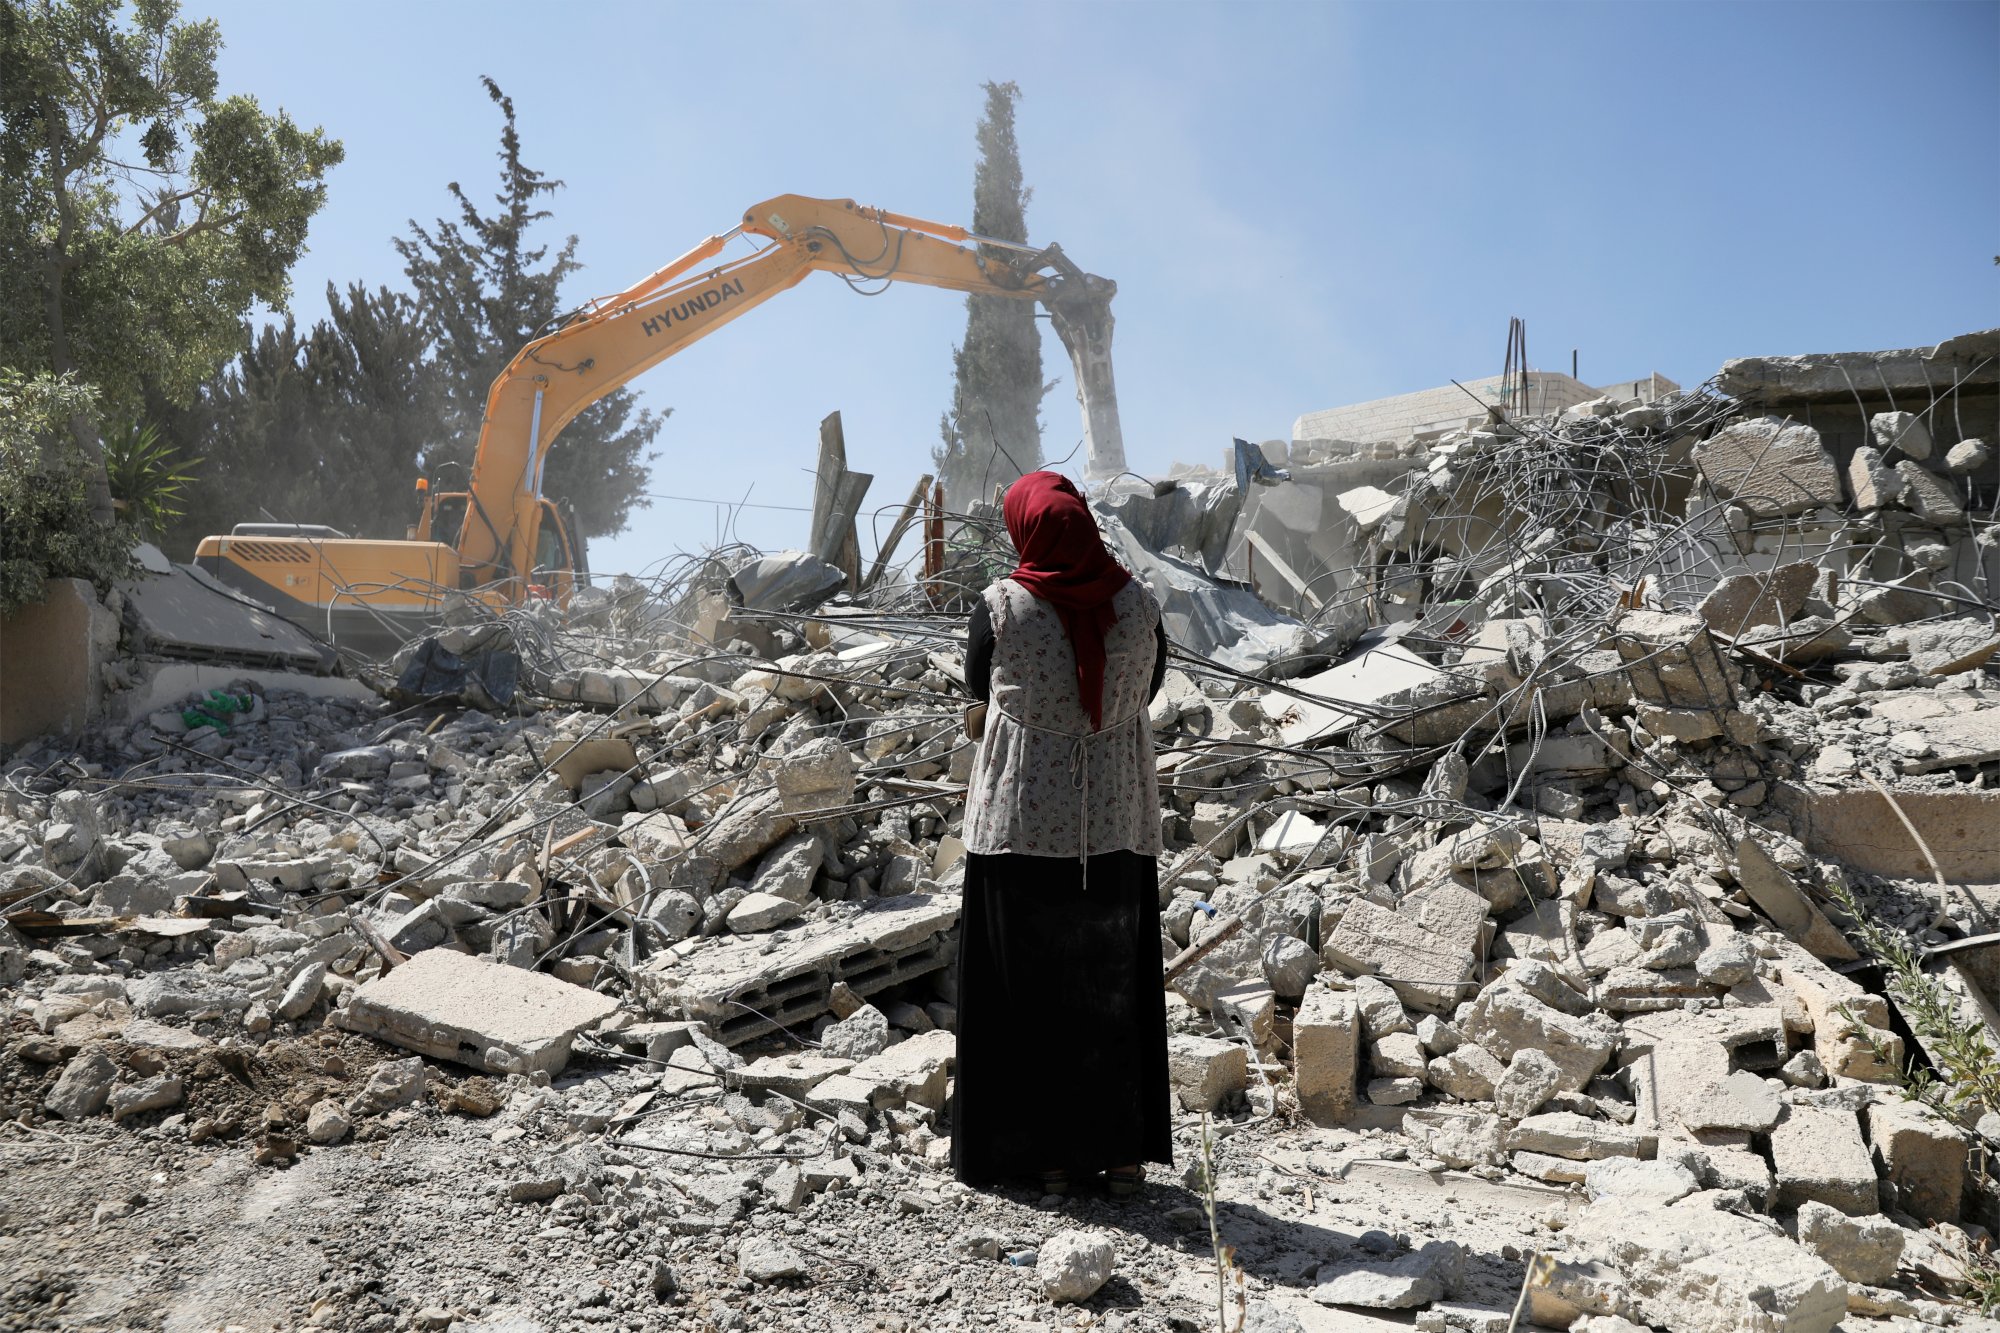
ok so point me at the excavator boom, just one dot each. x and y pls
(615, 338)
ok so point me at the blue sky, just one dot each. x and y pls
(1304, 205)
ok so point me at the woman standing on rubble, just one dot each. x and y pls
(1062, 1055)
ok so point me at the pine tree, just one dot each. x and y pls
(992, 432)
(329, 425)
(485, 292)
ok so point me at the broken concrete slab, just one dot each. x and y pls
(1779, 898)
(473, 1011)
(885, 942)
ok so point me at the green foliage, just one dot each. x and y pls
(143, 214)
(1968, 1072)
(485, 291)
(46, 528)
(993, 431)
(325, 425)
(149, 478)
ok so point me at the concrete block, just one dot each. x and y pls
(1426, 970)
(1205, 1071)
(452, 1006)
(913, 1071)
(1579, 1138)
(1469, 1073)
(1771, 468)
(1922, 1154)
(1818, 1155)
(1326, 1041)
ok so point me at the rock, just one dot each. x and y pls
(1818, 1156)
(913, 1071)
(1289, 965)
(1901, 430)
(789, 869)
(1730, 962)
(1394, 1091)
(1506, 1021)
(1929, 496)
(1326, 1042)
(1427, 970)
(762, 911)
(1872, 482)
(1402, 1282)
(860, 1036)
(391, 1084)
(1398, 1055)
(1381, 1012)
(535, 1189)
(1205, 1071)
(1469, 1073)
(1804, 1070)
(1691, 1267)
(1629, 1178)
(1072, 1265)
(85, 1085)
(155, 1094)
(1861, 1249)
(818, 775)
(1968, 455)
(1743, 601)
(327, 1122)
(1922, 1155)
(1579, 1138)
(1771, 468)
(302, 992)
(1530, 1079)
(1438, 1036)
(762, 1259)
(1741, 1101)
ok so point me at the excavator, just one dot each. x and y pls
(513, 543)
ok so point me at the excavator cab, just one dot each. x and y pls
(560, 562)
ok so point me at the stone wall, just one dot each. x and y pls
(52, 655)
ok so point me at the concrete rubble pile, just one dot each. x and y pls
(1528, 786)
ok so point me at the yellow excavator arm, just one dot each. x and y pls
(614, 338)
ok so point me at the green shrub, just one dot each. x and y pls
(46, 528)
(149, 478)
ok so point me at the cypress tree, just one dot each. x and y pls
(992, 432)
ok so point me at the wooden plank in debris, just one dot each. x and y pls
(902, 525)
(47, 925)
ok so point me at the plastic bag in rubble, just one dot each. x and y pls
(475, 665)
(787, 581)
(217, 708)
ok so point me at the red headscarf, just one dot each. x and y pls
(1063, 562)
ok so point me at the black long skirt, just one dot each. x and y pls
(1062, 1020)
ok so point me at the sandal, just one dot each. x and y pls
(1123, 1182)
(1055, 1182)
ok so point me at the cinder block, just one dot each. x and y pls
(473, 1011)
(1326, 1047)
(1204, 1071)
(1922, 1155)
(1819, 1155)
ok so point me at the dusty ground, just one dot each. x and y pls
(111, 1227)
